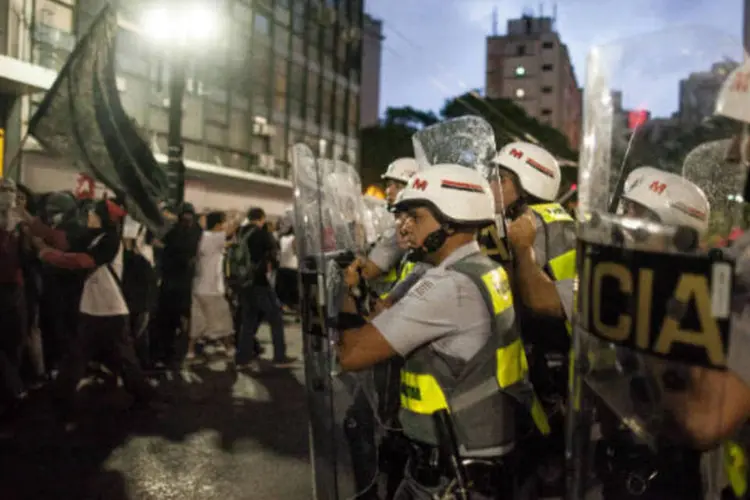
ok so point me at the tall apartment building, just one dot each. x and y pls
(282, 71)
(372, 52)
(531, 66)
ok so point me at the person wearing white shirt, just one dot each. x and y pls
(103, 325)
(286, 279)
(211, 317)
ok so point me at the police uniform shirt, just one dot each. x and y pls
(386, 253)
(404, 285)
(445, 308)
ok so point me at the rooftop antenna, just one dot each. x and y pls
(554, 15)
(494, 21)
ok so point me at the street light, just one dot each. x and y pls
(177, 28)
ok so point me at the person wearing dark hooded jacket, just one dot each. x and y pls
(104, 317)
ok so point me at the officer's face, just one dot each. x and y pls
(421, 224)
(392, 188)
(404, 230)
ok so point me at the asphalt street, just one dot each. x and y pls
(223, 435)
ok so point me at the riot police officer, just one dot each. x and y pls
(456, 330)
(541, 234)
(654, 319)
(383, 259)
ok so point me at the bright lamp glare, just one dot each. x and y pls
(199, 23)
(157, 25)
(183, 25)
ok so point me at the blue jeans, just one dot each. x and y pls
(260, 303)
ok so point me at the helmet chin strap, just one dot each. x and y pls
(431, 244)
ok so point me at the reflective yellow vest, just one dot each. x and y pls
(482, 394)
(735, 465)
(395, 275)
(559, 230)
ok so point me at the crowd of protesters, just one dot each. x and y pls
(83, 286)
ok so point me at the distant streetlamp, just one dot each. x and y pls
(178, 27)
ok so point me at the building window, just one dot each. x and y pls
(520, 71)
(520, 93)
(298, 47)
(546, 112)
(261, 24)
(327, 95)
(298, 20)
(521, 50)
(547, 67)
(281, 41)
(547, 45)
(546, 90)
(313, 79)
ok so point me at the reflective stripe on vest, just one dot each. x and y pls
(560, 250)
(735, 464)
(561, 254)
(498, 371)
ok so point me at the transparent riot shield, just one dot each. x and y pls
(652, 318)
(329, 227)
(467, 141)
(378, 219)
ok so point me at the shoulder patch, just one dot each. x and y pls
(421, 288)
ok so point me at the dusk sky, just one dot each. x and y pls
(435, 49)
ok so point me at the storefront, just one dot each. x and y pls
(208, 187)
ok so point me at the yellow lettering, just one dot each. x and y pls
(621, 330)
(693, 286)
(645, 296)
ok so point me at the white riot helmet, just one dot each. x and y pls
(537, 170)
(672, 198)
(459, 194)
(401, 170)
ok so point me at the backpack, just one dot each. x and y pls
(239, 268)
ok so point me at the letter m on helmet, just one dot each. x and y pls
(657, 187)
(419, 184)
(516, 153)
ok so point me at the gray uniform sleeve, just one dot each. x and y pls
(565, 292)
(444, 308)
(386, 253)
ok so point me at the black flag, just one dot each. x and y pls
(82, 118)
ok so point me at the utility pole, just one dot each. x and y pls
(175, 163)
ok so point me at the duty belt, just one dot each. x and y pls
(491, 476)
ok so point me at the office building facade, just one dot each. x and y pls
(281, 72)
(531, 66)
